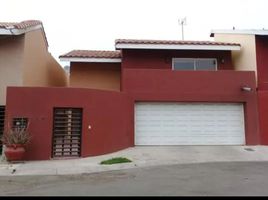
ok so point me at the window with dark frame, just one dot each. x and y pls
(192, 64)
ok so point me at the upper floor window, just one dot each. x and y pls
(194, 64)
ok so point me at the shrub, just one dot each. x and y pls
(115, 161)
(16, 136)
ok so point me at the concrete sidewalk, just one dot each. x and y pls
(141, 157)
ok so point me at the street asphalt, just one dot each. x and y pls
(195, 179)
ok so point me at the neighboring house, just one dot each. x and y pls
(25, 60)
(253, 57)
(94, 69)
(147, 92)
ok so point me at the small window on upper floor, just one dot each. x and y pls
(194, 64)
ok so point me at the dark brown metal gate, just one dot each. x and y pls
(67, 131)
(2, 123)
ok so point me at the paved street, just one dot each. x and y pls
(142, 156)
(226, 178)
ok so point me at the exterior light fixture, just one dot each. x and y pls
(246, 88)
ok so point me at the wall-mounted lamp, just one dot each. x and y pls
(246, 88)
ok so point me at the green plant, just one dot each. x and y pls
(115, 161)
(16, 136)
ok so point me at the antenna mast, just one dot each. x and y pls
(182, 22)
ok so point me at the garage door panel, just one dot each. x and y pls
(189, 124)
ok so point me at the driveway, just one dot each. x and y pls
(142, 156)
(198, 179)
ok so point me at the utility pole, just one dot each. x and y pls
(182, 22)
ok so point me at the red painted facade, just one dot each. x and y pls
(107, 113)
(162, 59)
(263, 116)
(262, 74)
(190, 86)
(262, 61)
(146, 76)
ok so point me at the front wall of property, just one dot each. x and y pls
(154, 85)
(111, 114)
(262, 61)
(263, 115)
(103, 76)
(162, 59)
(108, 114)
(11, 56)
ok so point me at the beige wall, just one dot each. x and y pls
(245, 59)
(104, 76)
(11, 56)
(56, 75)
(40, 68)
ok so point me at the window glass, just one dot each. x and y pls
(184, 65)
(206, 64)
(194, 64)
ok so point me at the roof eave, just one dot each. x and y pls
(91, 60)
(16, 31)
(178, 47)
(242, 32)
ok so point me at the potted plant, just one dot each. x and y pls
(15, 140)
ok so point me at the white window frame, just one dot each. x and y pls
(193, 59)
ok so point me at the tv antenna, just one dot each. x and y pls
(182, 22)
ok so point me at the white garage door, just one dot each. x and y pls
(189, 124)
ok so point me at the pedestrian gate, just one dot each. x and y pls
(67, 129)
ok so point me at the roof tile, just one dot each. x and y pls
(92, 54)
(170, 42)
(20, 25)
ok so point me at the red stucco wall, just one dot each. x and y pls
(162, 59)
(262, 74)
(262, 61)
(189, 86)
(107, 113)
(263, 116)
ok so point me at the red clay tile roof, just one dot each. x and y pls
(172, 42)
(23, 26)
(20, 25)
(92, 54)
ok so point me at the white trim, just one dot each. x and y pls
(244, 32)
(15, 31)
(98, 60)
(194, 59)
(178, 47)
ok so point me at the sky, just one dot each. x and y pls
(95, 24)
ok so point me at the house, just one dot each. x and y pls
(253, 57)
(146, 92)
(25, 60)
